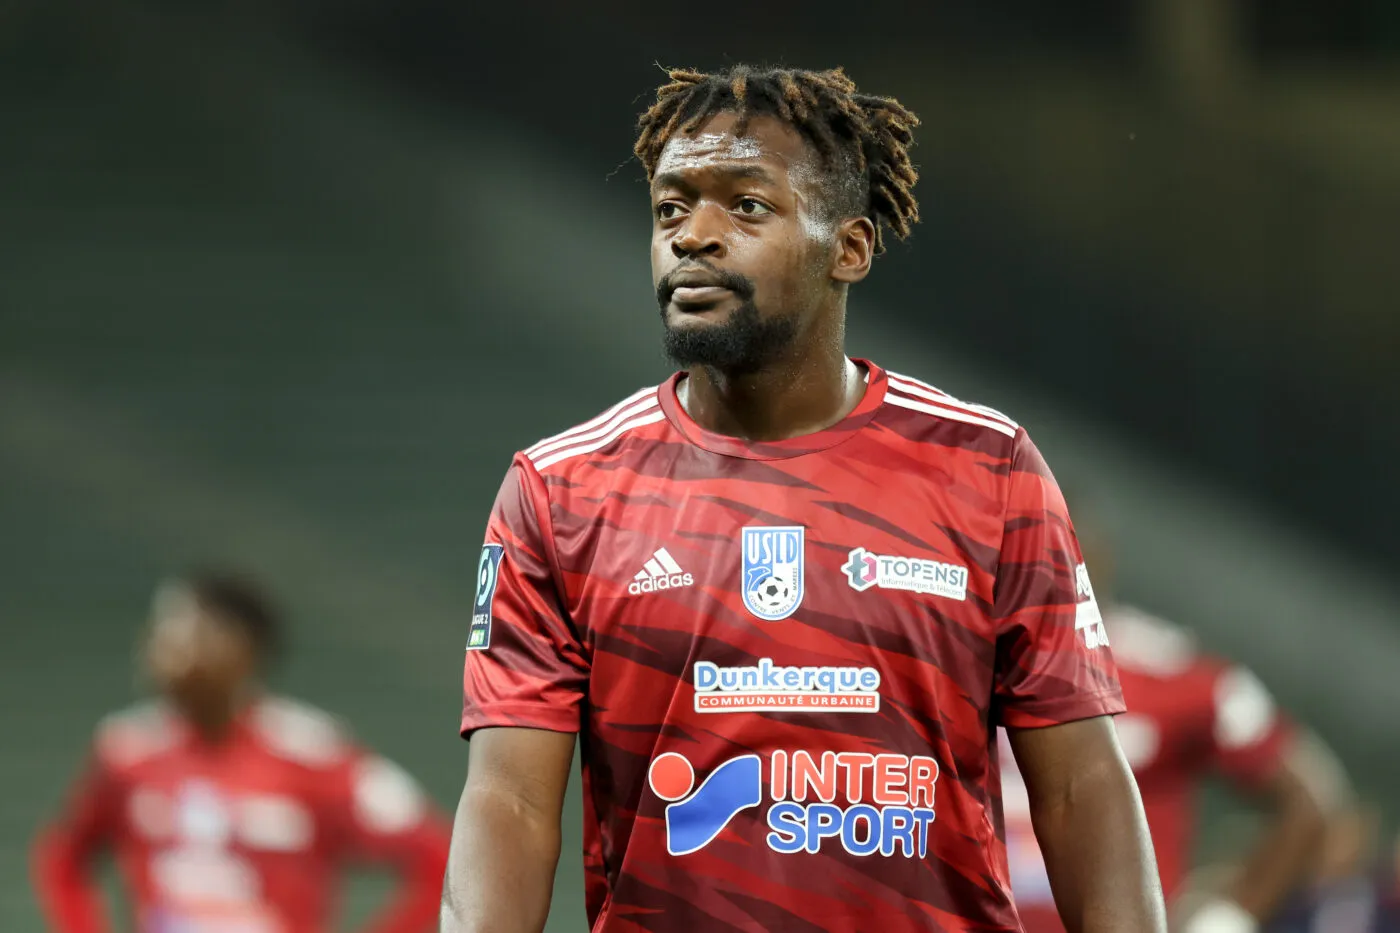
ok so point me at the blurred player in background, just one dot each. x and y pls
(1191, 716)
(1355, 885)
(230, 810)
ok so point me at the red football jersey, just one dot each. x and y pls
(786, 659)
(247, 836)
(1189, 716)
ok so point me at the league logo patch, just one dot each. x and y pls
(488, 571)
(773, 571)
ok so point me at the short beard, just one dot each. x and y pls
(746, 343)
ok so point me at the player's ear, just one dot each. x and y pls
(854, 249)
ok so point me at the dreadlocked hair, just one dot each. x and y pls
(863, 141)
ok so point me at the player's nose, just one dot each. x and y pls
(702, 232)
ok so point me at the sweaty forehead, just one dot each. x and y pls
(766, 143)
(704, 147)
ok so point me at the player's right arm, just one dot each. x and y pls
(505, 843)
(66, 849)
(1055, 690)
(525, 678)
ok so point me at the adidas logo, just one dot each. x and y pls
(660, 573)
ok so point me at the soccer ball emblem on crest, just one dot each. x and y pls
(772, 594)
(773, 571)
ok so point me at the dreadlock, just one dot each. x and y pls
(863, 141)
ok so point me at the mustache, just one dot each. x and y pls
(738, 284)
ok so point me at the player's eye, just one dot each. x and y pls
(752, 207)
(668, 210)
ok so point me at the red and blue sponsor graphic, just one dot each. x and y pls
(865, 803)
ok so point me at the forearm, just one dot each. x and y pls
(500, 873)
(1099, 854)
(1280, 857)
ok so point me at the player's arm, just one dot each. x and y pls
(524, 683)
(386, 819)
(1279, 859)
(1299, 784)
(505, 843)
(1089, 822)
(65, 853)
(1055, 687)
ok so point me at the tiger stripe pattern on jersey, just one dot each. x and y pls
(799, 734)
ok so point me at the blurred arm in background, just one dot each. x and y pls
(389, 821)
(65, 853)
(1305, 790)
(1298, 782)
(505, 844)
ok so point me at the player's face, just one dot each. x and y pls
(193, 657)
(741, 251)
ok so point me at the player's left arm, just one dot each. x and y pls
(1055, 690)
(1296, 779)
(1089, 822)
(385, 818)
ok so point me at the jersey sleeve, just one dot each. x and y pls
(525, 663)
(1053, 663)
(1249, 736)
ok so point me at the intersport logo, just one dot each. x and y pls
(864, 803)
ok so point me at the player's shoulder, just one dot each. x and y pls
(1164, 669)
(1150, 646)
(610, 426)
(935, 407)
(301, 733)
(137, 733)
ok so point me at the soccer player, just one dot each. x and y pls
(231, 810)
(1191, 715)
(784, 599)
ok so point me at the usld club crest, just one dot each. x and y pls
(773, 571)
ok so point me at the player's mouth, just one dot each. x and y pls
(698, 289)
(692, 298)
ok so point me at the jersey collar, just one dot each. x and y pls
(874, 397)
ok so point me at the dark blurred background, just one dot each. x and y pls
(285, 283)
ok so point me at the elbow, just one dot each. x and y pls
(1106, 780)
(57, 872)
(508, 811)
(450, 920)
(1304, 812)
(1311, 790)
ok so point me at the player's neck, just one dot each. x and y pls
(790, 399)
(213, 717)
